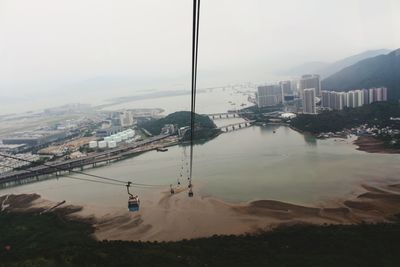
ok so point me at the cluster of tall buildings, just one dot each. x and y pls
(269, 95)
(272, 95)
(309, 87)
(352, 99)
(307, 90)
(275, 94)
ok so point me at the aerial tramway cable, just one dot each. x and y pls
(60, 169)
(82, 173)
(195, 42)
(69, 177)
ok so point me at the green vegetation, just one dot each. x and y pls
(204, 126)
(376, 114)
(255, 109)
(88, 133)
(51, 240)
(383, 70)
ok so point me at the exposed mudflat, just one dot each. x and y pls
(372, 145)
(176, 217)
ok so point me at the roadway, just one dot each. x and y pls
(91, 159)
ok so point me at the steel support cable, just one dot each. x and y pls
(135, 185)
(69, 177)
(195, 39)
(61, 169)
(78, 172)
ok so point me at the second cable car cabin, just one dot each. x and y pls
(133, 201)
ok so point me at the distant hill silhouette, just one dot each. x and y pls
(383, 70)
(326, 69)
(348, 61)
(308, 67)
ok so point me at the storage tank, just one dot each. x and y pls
(92, 144)
(112, 144)
(102, 144)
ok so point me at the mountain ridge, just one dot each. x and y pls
(326, 69)
(381, 70)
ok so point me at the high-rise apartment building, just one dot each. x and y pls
(384, 94)
(353, 99)
(294, 86)
(310, 81)
(309, 101)
(269, 95)
(325, 101)
(366, 96)
(378, 94)
(358, 99)
(371, 95)
(286, 87)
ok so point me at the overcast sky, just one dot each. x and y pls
(44, 43)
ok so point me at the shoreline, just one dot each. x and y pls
(367, 144)
(371, 144)
(173, 218)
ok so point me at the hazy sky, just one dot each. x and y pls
(52, 43)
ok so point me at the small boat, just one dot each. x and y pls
(162, 149)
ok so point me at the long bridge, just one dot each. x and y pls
(226, 115)
(236, 126)
(60, 167)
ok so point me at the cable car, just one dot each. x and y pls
(133, 201)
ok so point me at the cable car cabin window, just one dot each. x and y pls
(133, 205)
